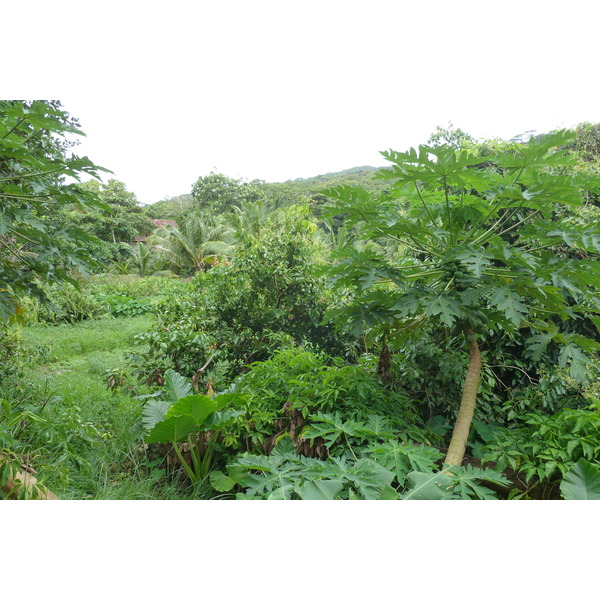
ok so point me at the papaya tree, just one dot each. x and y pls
(483, 247)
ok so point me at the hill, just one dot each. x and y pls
(284, 193)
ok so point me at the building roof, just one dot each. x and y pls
(164, 222)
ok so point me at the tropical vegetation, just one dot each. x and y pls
(426, 330)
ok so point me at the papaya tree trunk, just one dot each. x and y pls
(460, 435)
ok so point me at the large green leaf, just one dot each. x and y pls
(221, 482)
(446, 307)
(368, 478)
(537, 344)
(154, 412)
(509, 302)
(476, 259)
(177, 386)
(429, 486)
(582, 482)
(401, 459)
(219, 419)
(197, 408)
(173, 429)
(466, 482)
(282, 493)
(322, 489)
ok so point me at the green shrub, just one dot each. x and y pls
(134, 286)
(239, 313)
(68, 304)
(12, 351)
(121, 305)
(388, 471)
(296, 386)
(546, 447)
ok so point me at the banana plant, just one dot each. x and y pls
(483, 248)
(183, 416)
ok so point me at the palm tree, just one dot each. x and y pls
(143, 257)
(194, 244)
(336, 239)
(249, 219)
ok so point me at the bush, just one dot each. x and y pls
(239, 313)
(68, 304)
(134, 286)
(12, 351)
(287, 391)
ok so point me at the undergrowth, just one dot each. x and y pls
(84, 439)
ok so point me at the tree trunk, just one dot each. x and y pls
(460, 435)
(384, 366)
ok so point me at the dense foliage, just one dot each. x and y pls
(242, 309)
(35, 165)
(429, 330)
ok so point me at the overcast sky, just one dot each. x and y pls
(276, 90)
(168, 91)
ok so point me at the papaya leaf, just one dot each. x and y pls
(448, 309)
(369, 478)
(537, 344)
(476, 260)
(402, 459)
(331, 428)
(466, 482)
(282, 493)
(579, 364)
(377, 426)
(509, 303)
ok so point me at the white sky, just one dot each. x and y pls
(275, 90)
(167, 91)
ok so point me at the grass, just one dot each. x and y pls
(92, 446)
(97, 344)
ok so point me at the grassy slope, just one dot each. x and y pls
(72, 366)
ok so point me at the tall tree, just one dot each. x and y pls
(38, 177)
(217, 193)
(483, 252)
(122, 223)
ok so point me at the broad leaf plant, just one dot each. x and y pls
(483, 245)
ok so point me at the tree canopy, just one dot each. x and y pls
(39, 175)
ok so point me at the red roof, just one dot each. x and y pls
(163, 222)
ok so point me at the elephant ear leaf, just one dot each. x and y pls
(154, 412)
(582, 482)
(197, 408)
(171, 430)
(177, 386)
